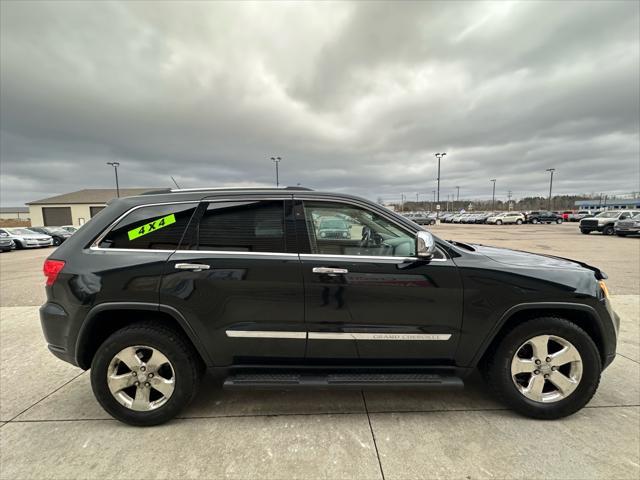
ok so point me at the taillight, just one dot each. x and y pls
(51, 270)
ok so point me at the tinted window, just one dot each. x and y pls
(245, 226)
(158, 227)
(342, 229)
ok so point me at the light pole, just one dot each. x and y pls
(509, 194)
(550, 184)
(115, 166)
(439, 157)
(493, 198)
(276, 160)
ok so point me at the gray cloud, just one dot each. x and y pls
(354, 96)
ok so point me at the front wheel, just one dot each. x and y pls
(56, 241)
(534, 221)
(545, 368)
(519, 222)
(498, 222)
(608, 230)
(145, 374)
(586, 232)
(559, 221)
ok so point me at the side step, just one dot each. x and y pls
(340, 380)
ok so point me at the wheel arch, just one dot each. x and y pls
(101, 322)
(583, 316)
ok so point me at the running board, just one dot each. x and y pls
(340, 380)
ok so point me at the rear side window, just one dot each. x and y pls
(244, 226)
(157, 227)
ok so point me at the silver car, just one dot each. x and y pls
(25, 238)
(6, 244)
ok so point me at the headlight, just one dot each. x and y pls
(323, 234)
(344, 234)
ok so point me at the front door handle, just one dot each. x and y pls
(332, 272)
(196, 267)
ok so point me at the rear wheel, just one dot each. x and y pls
(545, 368)
(608, 230)
(56, 241)
(145, 374)
(621, 234)
(519, 221)
(586, 232)
(559, 221)
(498, 222)
(534, 221)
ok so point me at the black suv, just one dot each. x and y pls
(544, 217)
(159, 287)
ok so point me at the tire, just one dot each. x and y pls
(559, 221)
(620, 234)
(498, 222)
(534, 221)
(519, 222)
(586, 232)
(499, 369)
(19, 245)
(56, 241)
(608, 230)
(183, 364)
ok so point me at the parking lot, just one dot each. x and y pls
(51, 426)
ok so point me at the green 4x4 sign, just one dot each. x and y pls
(151, 226)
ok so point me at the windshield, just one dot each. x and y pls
(23, 231)
(608, 215)
(334, 224)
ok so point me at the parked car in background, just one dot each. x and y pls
(605, 222)
(25, 238)
(580, 214)
(507, 217)
(421, 218)
(6, 243)
(58, 234)
(628, 226)
(484, 216)
(330, 227)
(565, 215)
(544, 217)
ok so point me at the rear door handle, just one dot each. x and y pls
(196, 267)
(330, 271)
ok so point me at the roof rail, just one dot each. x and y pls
(208, 189)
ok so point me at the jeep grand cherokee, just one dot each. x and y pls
(161, 286)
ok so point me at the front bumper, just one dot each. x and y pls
(631, 230)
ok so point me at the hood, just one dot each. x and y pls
(527, 259)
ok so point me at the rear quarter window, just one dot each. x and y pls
(156, 227)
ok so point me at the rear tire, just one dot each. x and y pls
(620, 234)
(134, 352)
(56, 241)
(498, 222)
(534, 221)
(576, 375)
(519, 222)
(559, 221)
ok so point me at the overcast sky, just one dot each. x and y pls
(354, 97)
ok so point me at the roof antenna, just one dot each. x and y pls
(174, 181)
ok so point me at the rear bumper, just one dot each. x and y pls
(56, 326)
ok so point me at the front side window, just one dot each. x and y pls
(341, 229)
(242, 226)
(156, 227)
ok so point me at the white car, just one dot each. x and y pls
(507, 217)
(25, 238)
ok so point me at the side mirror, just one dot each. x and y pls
(425, 245)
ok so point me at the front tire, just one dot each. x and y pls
(545, 368)
(519, 222)
(56, 241)
(145, 374)
(559, 221)
(498, 222)
(534, 221)
(608, 230)
(586, 232)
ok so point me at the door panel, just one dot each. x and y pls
(237, 283)
(384, 305)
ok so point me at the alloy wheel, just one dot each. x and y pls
(141, 378)
(546, 368)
